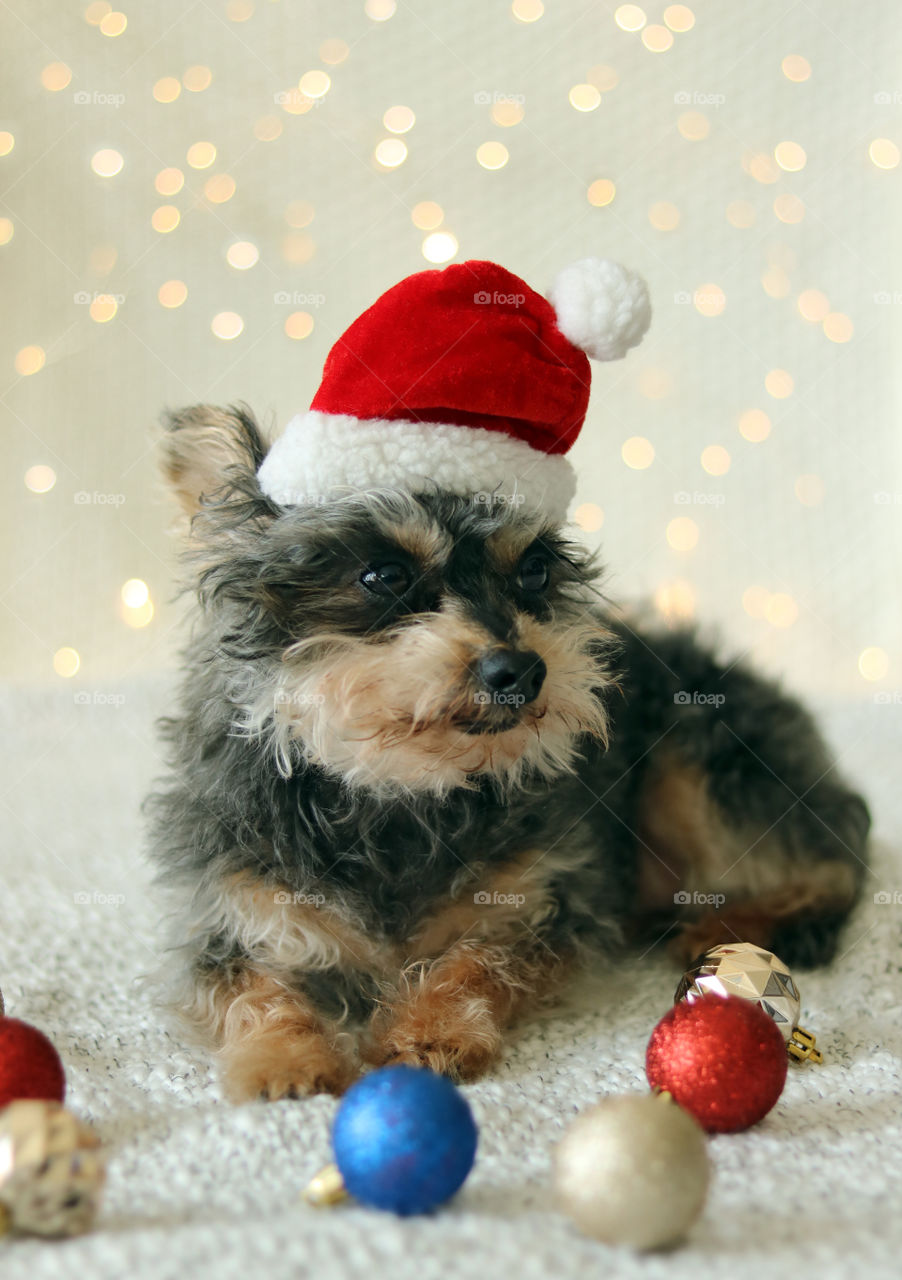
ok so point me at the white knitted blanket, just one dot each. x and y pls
(198, 1188)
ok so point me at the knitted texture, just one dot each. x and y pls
(199, 1188)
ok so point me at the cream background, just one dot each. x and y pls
(89, 412)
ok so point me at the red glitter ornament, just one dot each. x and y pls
(722, 1059)
(30, 1067)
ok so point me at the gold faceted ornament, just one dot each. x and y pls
(746, 970)
(51, 1171)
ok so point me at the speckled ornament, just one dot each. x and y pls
(51, 1172)
(404, 1139)
(721, 1058)
(30, 1066)
(634, 1171)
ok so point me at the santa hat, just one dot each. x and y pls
(465, 379)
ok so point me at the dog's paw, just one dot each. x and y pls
(271, 1067)
(457, 1036)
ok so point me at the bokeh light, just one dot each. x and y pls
(796, 68)
(439, 247)
(754, 425)
(172, 294)
(107, 163)
(427, 215)
(390, 153)
(29, 360)
(299, 325)
(66, 662)
(492, 155)
(601, 192)
(589, 517)
(637, 452)
(399, 119)
(40, 478)
(682, 534)
(715, 460)
(242, 255)
(227, 325)
(873, 663)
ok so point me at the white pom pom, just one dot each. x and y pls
(603, 308)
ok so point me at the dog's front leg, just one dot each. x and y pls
(271, 1043)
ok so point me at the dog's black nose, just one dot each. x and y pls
(512, 676)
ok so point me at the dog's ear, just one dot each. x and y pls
(206, 448)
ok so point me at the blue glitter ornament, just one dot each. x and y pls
(404, 1139)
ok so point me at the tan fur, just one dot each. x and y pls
(425, 540)
(686, 844)
(284, 932)
(818, 889)
(271, 1043)
(195, 457)
(506, 902)
(392, 714)
(450, 1015)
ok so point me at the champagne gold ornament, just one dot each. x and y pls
(633, 1170)
(51, 1172)
(743, 969)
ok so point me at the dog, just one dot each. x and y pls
(419, 775)
(422, 772)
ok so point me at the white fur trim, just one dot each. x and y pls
(602, 307)
(328, 455)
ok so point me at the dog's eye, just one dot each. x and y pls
(533, 573)
(390, 579)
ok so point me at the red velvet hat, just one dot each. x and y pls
(465, 379)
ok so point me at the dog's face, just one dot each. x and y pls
(404, 643)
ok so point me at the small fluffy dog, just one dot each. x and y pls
(419, 771)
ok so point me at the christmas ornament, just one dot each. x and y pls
(30, 1067)
(51, 1172)
(464, 378)
(404, 1139)
(634, 1171)
(743, 969)
(721, 1058)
